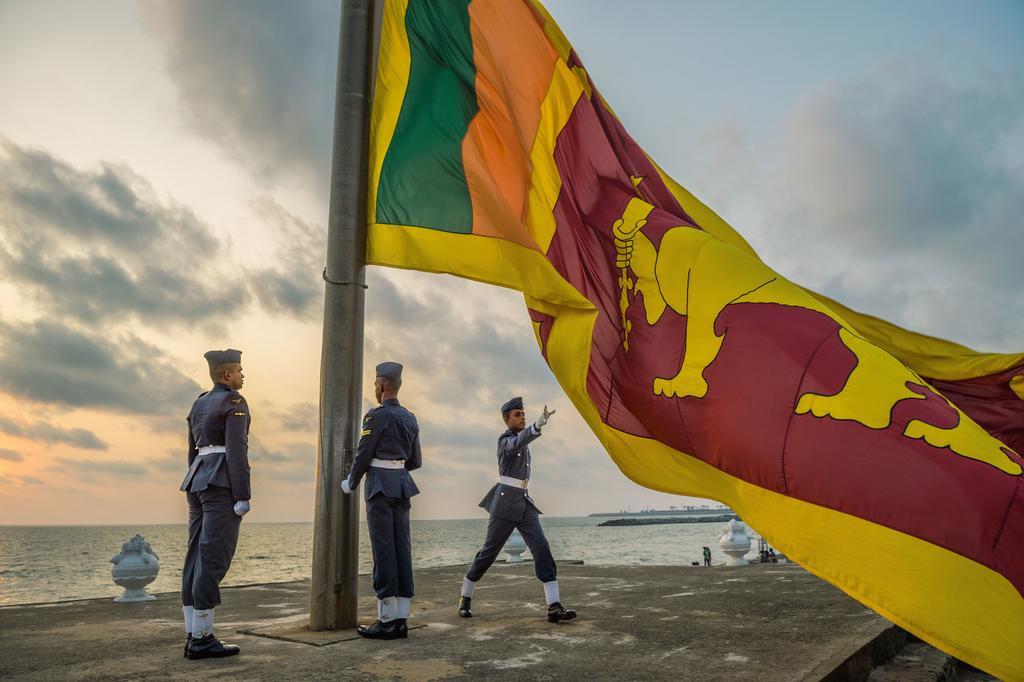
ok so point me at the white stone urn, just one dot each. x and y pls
(735, 543)
(515, 547)
(135, 566)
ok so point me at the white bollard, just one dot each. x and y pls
(135, 566)
(515, 547)
(735, 543)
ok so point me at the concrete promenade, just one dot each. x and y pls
(765, 622)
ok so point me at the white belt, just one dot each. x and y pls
(210, 449)
(387, 463)
(514, 482)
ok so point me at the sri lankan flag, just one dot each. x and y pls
(884, 461)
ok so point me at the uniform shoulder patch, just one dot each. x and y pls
(235, 401)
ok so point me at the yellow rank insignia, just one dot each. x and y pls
(239, 414)
(365, 432)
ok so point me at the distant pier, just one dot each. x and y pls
(656, 521)
(668, 512)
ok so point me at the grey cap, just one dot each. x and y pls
(216, 358)
(512, 404)
(390, 370)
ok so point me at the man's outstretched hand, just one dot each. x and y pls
(543, 418)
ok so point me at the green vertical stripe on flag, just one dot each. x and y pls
(423, 181)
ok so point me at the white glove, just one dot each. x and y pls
(242, 507)
(345, 487)
(543, 418)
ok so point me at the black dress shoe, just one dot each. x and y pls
(379, 630)
(188, 640)
(557, 613)
(402, 626)
(209, 647)
(464, 607)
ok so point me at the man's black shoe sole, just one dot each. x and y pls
(201, 655)
(388, 636)
(560, 619)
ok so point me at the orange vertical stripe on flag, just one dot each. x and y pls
(515, 63)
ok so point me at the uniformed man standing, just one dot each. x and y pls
(389, 448)
(217, 488)
(511, 507)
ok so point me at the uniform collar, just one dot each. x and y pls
(220, 387)
(391, 401)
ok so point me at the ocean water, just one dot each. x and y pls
(54, 563)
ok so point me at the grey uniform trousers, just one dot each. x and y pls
(388, 521)
(498, 531)
(212, 537)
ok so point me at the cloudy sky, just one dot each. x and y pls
(163, 190)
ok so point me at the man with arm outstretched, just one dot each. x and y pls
(512, 508)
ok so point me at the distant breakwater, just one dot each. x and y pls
(658, 521)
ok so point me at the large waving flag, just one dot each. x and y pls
(884, 461)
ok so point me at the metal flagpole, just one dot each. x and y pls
(332, 600)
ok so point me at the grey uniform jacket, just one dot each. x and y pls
(219, 417)
(389, 432)
(511, 502)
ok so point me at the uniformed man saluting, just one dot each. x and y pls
(389, 448)
(511, 507)
(217, 488)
